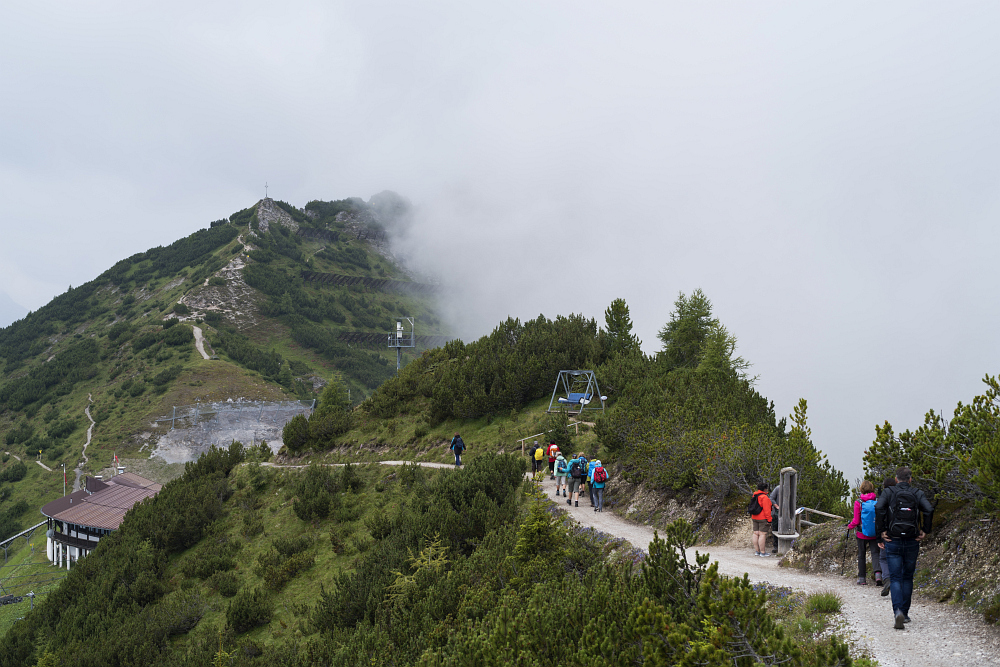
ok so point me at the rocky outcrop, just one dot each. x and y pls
(269, 213)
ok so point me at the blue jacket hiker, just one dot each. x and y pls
(599, 479)
(562, 473)
(457, 446)
(577, 478)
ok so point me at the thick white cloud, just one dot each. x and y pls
(824, 171)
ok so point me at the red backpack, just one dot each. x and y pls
(600, 475)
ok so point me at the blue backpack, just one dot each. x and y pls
(868, 518)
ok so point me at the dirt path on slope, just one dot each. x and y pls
(199, 342)
(939, 634)
(90, 433)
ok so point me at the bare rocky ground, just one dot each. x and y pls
(186, 442)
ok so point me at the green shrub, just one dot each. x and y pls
(181, 309)
(248, 610)
(827, 602)
(227, 583)
(217, 281)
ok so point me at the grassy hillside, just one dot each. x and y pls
(240, 564)
(123, 344)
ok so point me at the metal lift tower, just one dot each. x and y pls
(401, 338)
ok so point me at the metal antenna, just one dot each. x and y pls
(265, 189)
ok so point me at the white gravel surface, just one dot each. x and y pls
(940, 634)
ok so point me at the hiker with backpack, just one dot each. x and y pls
(759, 510)
(577, 477)
(883, 554)
(590, 480)
(537, 454)
(600, 476)
(457, 446)
(898, 522)
(864, 521)
(562, 472)
(552, 449)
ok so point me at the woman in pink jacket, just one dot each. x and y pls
(864, 521)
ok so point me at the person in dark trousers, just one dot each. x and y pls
(883, 554)
(775, 498)
(864, 522)
(600, 479)
(457, 446)
(531, 457)
(898, 520)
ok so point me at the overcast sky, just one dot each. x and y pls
(826, 172)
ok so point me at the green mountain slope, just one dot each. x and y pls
(286, 300)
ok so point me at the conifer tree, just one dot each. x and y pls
(619, 328)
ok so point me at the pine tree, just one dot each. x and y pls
(619, 328)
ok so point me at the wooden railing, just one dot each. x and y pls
(801, 521)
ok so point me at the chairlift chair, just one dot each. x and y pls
(576, 390)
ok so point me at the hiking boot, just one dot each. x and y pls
(578, 503)
(878, 578)
(756, 553)
(569, 502)
(595, 509)
(885, 587)
(862, 581)
(900, 620)
(906, 619)
(764, 554)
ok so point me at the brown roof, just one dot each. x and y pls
(104, 508)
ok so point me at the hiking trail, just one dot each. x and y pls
(199, 342)
(940, 634)
(90, 433)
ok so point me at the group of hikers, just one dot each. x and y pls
(572, 476)
(889, 526)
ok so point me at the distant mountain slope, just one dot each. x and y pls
(9, 310)
(126, 339)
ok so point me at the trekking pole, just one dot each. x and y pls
(843, 557)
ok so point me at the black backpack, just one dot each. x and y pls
(458, 445)
(576, 470)
(904, 515)
(755, 507)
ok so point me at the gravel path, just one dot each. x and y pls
(199, 342)
(90, 433)
(940, 634)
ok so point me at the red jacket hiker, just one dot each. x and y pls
(765, 503)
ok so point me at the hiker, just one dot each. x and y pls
(577, 476)
(897, 521)
(552, 449)
(457, 446)
(590, 480)
(864, 522)
(775, 496)
(600, 479)
(537, 454)
(883, 554)
(562, 472)
(761, 520)
(586, 464)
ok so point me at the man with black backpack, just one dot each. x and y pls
(898, 520)
(457, 446)
(577, 478)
